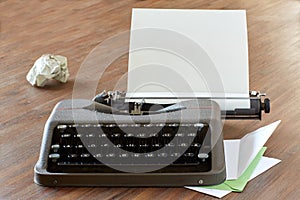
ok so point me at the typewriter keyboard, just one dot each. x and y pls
(94, 148)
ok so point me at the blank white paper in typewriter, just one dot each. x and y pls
(183, 53)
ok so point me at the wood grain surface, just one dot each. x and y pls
(74, 28)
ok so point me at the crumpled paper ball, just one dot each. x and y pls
(48, 67)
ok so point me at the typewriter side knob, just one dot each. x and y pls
(266, 105)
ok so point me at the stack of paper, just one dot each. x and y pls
(244, 161)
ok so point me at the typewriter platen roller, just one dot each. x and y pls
(111, 142)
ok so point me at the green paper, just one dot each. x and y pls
(239, 184)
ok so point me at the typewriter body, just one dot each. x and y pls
(109, 142)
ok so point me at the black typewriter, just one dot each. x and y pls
(108, 141)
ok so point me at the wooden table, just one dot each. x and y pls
(73, 28)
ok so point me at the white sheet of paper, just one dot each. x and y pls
(264, 164)
(240, 153)
(185, 53)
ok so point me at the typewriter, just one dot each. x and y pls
(109, 141)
